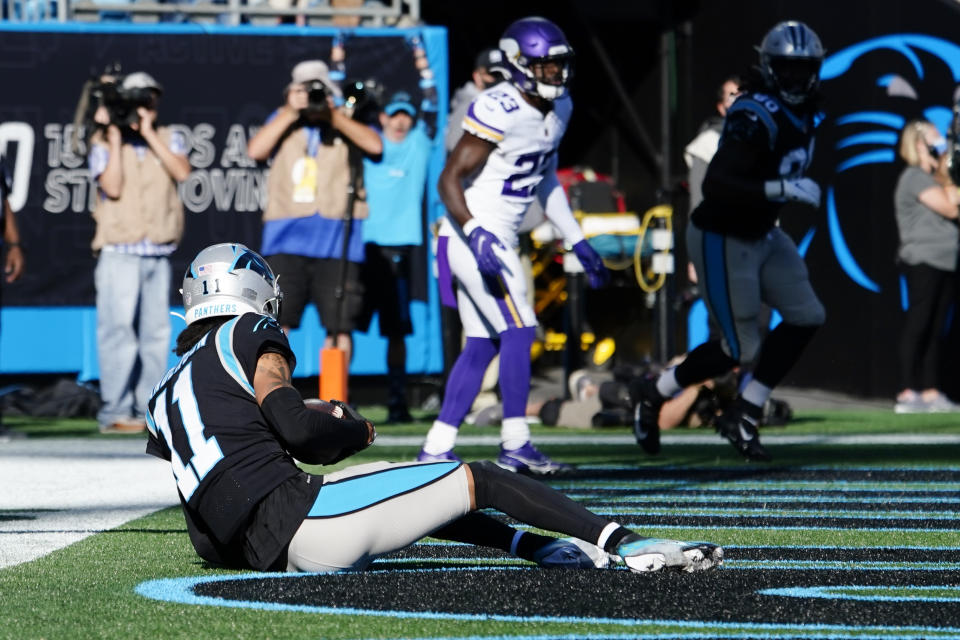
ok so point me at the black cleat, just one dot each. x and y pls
(646, 414)
(741, 430)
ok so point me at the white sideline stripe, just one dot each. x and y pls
(57, 492)
(767, 438)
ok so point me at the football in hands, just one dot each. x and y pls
(323, 407)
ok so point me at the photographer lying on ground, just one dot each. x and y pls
(603, 399)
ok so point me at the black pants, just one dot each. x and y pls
(930, 293)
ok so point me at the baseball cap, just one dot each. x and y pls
(141, 80)
(488, 58)
(400, 101)
(310, 70)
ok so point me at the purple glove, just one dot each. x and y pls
(482, 243)
(597, 274)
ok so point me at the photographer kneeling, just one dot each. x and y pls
(316, 150)
(139, 220)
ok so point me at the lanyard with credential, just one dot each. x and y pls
(305, 169)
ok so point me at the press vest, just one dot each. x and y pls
(297, 188)
(148, 206)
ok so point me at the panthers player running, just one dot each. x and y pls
(741, 256)
(491, 177)
(230, 423)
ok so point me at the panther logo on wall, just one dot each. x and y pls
(918, 81)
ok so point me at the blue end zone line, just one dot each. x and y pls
(692, 635)
(784, 513)
(734, 485)
(499, 562)
(739, 498)
(742, 467)
(837, 592)
(180, 591)
(644, 526)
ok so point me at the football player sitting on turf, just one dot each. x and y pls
(507, 157)
(743, 259)
(230, 423)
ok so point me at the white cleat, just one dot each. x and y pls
(643, 555)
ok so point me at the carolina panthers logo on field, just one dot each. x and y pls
(918, 82)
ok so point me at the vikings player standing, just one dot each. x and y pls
(491, 177)
(741, 256)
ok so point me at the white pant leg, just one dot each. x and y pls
(154, 327)
(485, 313)
(383, 524)
(117, 280)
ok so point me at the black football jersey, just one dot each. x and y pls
(204, 419)
(762, 139)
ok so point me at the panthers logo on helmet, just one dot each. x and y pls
(229, 279)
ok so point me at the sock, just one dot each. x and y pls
(532, 502)
(465, 379)
(705, 362)
(667, 384)
(781, 348)
(440, 438)
(486, 531)
(756, 393)
(515, 370)
(611, 536)
(514, 433)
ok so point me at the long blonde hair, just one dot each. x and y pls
(912, 132)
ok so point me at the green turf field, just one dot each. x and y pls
(856, 538)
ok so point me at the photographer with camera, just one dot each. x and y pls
(315, 201)
(139, 220)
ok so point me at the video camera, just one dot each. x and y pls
(121, 103)
(105, 89)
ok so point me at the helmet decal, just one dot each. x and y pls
(229, 279)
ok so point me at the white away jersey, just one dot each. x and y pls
(499, 194)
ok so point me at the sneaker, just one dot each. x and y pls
(446, 456)
(646, 415)
(527, 459)
(911, 405)
(741, 430)
(642, 555)
(939, 404)
(570, 553)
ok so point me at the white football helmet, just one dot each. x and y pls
(790, 59)
(229, 279)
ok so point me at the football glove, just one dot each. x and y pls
(481, 244)
(352, 414)
(597, 274)
(793, 190)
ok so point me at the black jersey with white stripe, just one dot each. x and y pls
(763, 139)
(204, 419)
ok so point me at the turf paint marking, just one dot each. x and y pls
(182, 591)
(893, 576)
(926, 593)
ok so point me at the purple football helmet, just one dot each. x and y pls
(532, 48)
